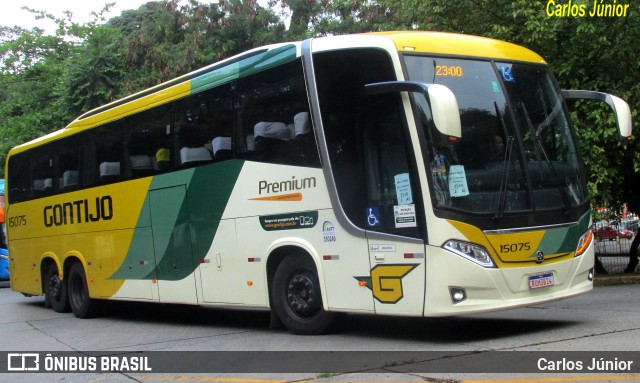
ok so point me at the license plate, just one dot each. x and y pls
(540, 280)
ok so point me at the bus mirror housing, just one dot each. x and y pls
(620, 108)
(441, 100)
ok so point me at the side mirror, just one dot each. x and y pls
(441, 100)
(619, 106)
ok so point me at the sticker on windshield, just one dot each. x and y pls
(507, 75)
(495, 87)
(403, 189)
(373, 217)
(405, 215)
(458, 181)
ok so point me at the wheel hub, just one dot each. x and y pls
(55, 287)
(302, 296)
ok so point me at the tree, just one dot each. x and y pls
(162, 40)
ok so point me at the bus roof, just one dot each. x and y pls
(459, 44)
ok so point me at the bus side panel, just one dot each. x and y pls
(345, 264)
(222, 272)
(135, 275)
(95, 251)
(25, 258)
(277, 206)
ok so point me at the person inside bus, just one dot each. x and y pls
(163, 159)
(495, 152)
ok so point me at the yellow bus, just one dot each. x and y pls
(399, 173)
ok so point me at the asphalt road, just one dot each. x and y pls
(602, 322)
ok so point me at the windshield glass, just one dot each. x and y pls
(517, 152)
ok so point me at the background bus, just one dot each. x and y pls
(341, 174)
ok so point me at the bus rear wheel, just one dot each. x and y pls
(81, 304)
(297, 298)
(56, 290)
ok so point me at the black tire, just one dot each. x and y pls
(81, 304)
(297, 298)
(56, 290)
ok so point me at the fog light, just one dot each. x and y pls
(457, 294)
(590, 275)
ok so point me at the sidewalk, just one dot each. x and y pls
(617, 279)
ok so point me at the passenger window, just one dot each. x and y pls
(109, 153)
(149, 142)
(204, 127)
(273, 119)
(19, 178)
(43, 180)
(68, 164)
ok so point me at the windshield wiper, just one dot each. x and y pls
(535, 136)
(504, 176)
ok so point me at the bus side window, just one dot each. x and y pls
(272, 119)
(204, 125)
(43, 176)
(341, 77)
(107, 141)
(68, 164)
(387, 168)
(148, 133)
(19, 178)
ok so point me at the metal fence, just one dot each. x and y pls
(613, 255)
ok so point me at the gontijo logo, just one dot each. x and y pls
(79, 211)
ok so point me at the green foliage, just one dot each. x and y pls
(93, 73)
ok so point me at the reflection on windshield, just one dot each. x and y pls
(517, 152)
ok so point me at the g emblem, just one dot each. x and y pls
(386, 281)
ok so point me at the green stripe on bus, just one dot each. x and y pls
(242, 68)
(171, 238)
(564, 240)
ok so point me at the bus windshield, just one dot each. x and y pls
(517, 153)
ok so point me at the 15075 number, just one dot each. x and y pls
(515, 247)
(18, 220)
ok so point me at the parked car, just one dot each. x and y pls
(4, 264)
(625, 233)
(606, 232)
(628, 224)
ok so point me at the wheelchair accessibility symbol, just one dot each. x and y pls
(373, 217)
(507, 75)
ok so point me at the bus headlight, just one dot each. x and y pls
(472, 252)
(584, 242)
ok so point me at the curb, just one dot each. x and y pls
(611, 280)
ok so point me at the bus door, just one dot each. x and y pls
(397, 276)
(392, 218)
(172, 245)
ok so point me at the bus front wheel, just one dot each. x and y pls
(81, 304)
(297, 298)
(56, 290)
